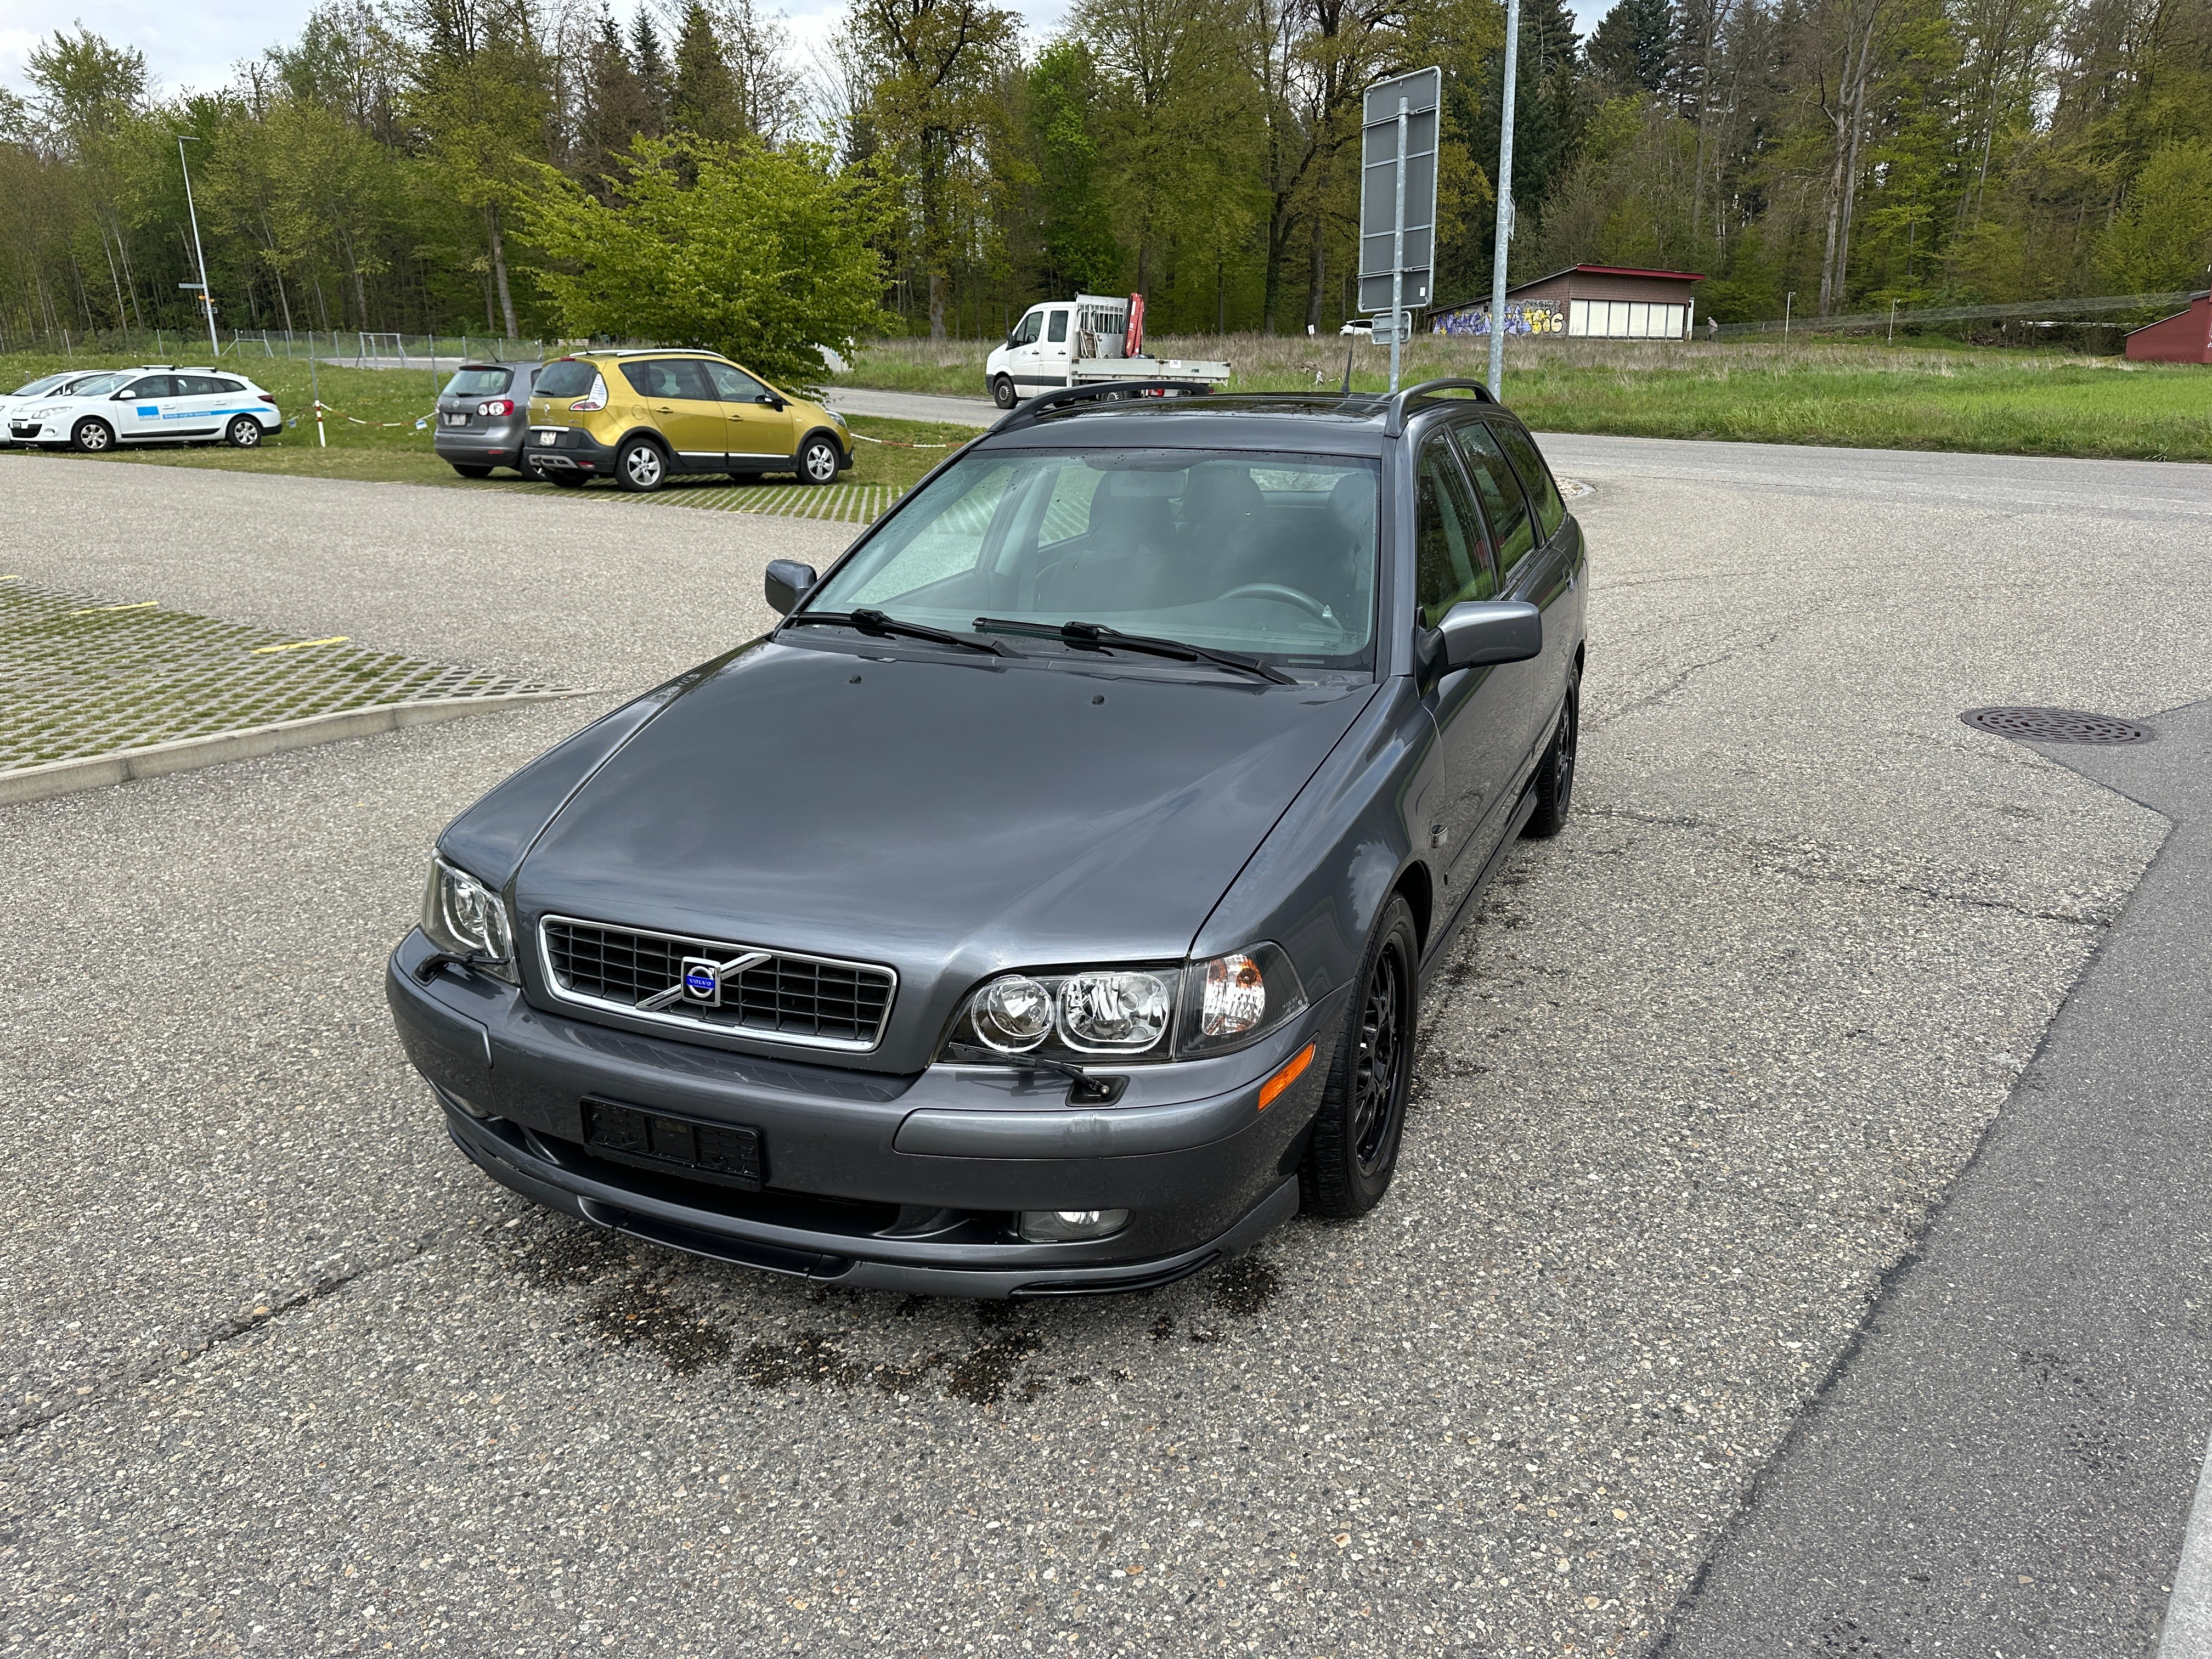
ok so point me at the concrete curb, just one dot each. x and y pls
(191, 754)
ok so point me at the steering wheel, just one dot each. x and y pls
(1305, 602)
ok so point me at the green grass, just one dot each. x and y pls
(379, 443)
(1867, 395)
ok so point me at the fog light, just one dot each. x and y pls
(1070, 1226)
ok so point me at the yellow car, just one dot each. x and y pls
(641, 417)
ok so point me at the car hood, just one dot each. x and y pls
(943, 816)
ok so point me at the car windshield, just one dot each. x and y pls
(43, 383)
(99, 387)
(479, 383)
(1269, 554)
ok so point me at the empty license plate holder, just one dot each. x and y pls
(729, 1152)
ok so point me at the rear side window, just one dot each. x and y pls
(151, 385)
(1551, 511)
(226, 386)
(473, 382)
(1449, 562)
(204, 386)
(1510, 531)
(571, 377)
(1058, 332)
(681, 378)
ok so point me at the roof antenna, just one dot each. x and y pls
(1349, 346)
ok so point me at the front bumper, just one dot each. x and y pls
(873, 1180)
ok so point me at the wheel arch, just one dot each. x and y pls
(821, 430)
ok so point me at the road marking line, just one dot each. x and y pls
(2187, 1631)
(96, 609)
(300, 645)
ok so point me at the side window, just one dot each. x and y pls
(152, 386)
(734, 386)
(1026, 333)
(1551, 511)
(1449, 562)
(204, 386)
(225, 387)
(1058, 333)
(670, 377)
(1502, 504)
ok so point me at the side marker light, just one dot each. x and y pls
(1286, 1074)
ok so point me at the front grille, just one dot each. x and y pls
(804, 999)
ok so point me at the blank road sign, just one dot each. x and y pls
(1422, 91)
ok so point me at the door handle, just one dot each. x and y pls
(663, 409)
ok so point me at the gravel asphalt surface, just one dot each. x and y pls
(282, 1375)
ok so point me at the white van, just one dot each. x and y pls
(1081, 341)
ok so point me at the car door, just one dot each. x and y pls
(1525, 704)
(1023, 354)
(201, 404)
(681, 402)
(1054, 354)
(756, 422)
(1451, 563)
(138, 409)
(1554, 579)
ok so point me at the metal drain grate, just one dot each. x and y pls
(2056, 725)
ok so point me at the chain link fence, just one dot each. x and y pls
(2053, 313)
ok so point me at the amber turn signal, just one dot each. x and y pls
(1286, 1074)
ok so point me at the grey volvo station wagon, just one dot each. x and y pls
(1042, 905)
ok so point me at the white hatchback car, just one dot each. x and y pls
(49, 388)
(156, 404)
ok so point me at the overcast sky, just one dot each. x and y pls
(193, 45)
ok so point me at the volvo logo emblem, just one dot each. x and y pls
(699, 981)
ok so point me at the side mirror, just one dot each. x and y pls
(771, 400)
(787, 582)
(1476, 633)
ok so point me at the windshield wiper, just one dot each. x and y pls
(1083, 1088)
(1097, 634)
(875, 621)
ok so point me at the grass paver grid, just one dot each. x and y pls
(832, 503)
(83, 676)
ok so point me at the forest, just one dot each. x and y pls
(536, 168)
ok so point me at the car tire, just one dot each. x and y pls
(642, 466)
(1352, 1151)
(1002, 391)
(564, 478)
(472, 471)
(244, 433)
(92, 435)
(818, 461)
(1554, 783)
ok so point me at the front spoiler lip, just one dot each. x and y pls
(920, 1269)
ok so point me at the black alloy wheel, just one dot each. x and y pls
(1002, 391)
(641, 468)
(817, 461)
(1353, 1151)
(1554, 783)
(244, 433)
(93, 435)
(473, 471)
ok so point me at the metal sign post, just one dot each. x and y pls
(1398, 198)
(1504, 233)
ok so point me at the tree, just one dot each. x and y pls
(2162, 239)
(703, 97)
(1077, 246)
(1633, 45)
(762, 254)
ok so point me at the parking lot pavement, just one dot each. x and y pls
(286, 1375)
(535, 587)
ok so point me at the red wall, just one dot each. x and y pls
(2183, 338)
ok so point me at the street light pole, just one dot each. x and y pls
(207, 300)
(1504, 233)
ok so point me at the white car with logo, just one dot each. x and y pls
(157, 403)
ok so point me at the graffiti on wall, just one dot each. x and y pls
(1522, 317)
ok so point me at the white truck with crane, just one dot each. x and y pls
(1093, 339)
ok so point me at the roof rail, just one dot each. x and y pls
(1395, 422)
(1023, 414)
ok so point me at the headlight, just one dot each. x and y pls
(461, 914)
(1094, 1015)
(1236, 999)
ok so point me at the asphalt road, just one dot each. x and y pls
(284, 1374)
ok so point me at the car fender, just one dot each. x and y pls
(822, 430)
(644, 429)
(1322, 874)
